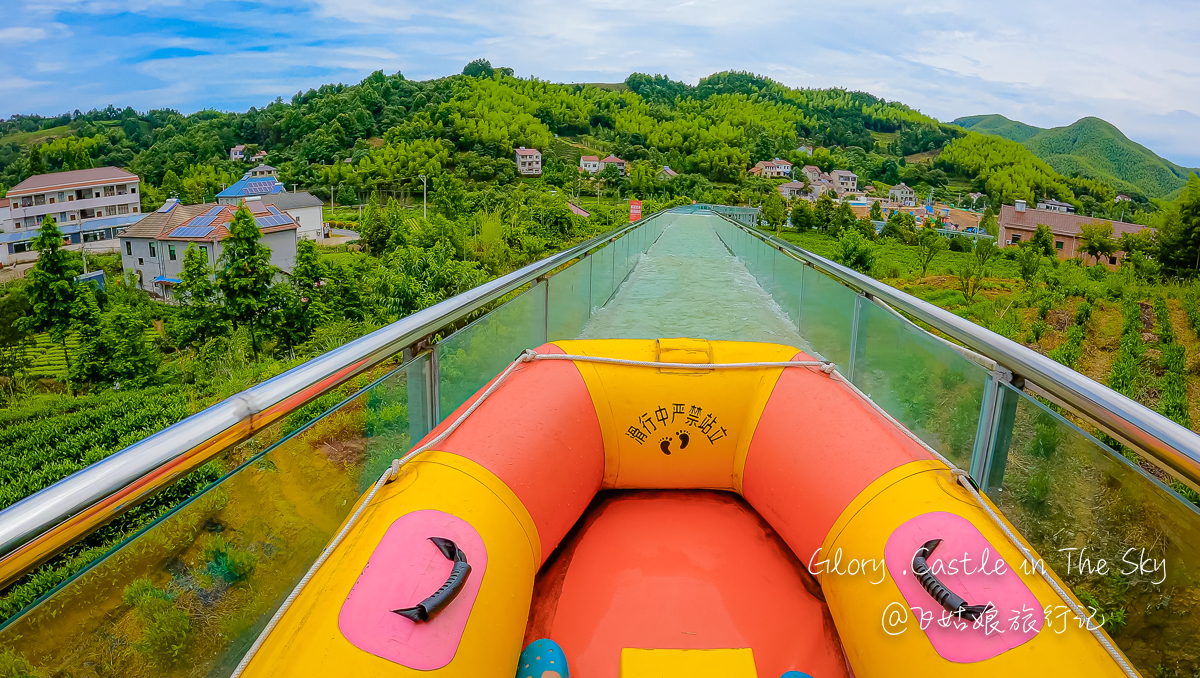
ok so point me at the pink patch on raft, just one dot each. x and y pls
(405, 569)
(1006, 592)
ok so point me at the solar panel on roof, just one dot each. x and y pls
(259, 187)
(202, 220)
(273, 220)
(213, 211)
(191, 232)
(272, 210)
(168, 206)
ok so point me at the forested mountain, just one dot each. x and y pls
(1091, 148)
(997, 125)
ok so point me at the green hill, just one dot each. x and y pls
(1094, 148)
(998, 125)
(1091, 148)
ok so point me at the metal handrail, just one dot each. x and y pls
(124, 478)
(1163, 441)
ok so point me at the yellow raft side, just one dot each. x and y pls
(911, 490)
(307, 641)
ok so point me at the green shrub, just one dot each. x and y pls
(1166, 331)
(1083, 313)
(228, 561)
(165, 629)
(13, 665)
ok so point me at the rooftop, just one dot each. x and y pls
(72, 179)
(206, 222)
(250, 185)
(527, 151)
(589, 158)
(1061, 223)
(612, 158)
(291, 201)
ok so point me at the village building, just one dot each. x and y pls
(305, 208)
(529, 162)
(1055, 206)
(903, 194)
(614, 160)
(666, 173)
(812, 172)
(1018, 224)
(590, 164)
(792, 189)
(577, 210)
(1121, 197)
(238, 153)
(153, 248)
(772, 169)
(845, 181)
(257, 182)
(89, 205)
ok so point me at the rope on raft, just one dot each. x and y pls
(962, 477)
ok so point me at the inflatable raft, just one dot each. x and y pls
(677, 507)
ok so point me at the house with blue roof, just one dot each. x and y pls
(256, 183)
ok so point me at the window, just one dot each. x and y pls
(140, 262)
(128, 248)
(72, 216)
(51, 200)
(153, 253)
(70, 197)
(1112, 260)
(39, 199)
(171, 252)
(16, 205)
(133, 189)
(1058, 244)
(61, 196)
(20, 247)
(109, 191)
(110, 211)
(122, 209)
(204, 251)
(1016, 238)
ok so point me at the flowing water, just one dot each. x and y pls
(689, 285)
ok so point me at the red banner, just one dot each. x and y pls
(635, 210)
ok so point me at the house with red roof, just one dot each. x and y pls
(614, 160)
(590, 164)
(1018, 223)
(529, 162)
(153, 248)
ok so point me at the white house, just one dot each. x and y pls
(590, 164)
(238, 152)
(529, 162)
(153, 249)
(905, 195)
(301, 206)
(792, 189)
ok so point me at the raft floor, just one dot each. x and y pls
(681, 570)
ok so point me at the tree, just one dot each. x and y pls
(824, 212)
(50, 289)
(876, 211)
(802, 215)
(1043, 241)
(14, 340)
(1029, 262)
(844, 217)
(775, 210)
(479, 68)
(244, 273)
(117, 352)
(988, 224)
(93, 354)
(199, 317)
(929, 244)
(855, 251)
(171, 185)
(902, 226)
(1096, 239)
(36, 164)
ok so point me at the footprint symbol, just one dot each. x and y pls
(665, 445)
(683, 439)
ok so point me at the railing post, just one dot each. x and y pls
(854, 338)
(1002, 433)
(800, 306)
(994, 432)
(435, 399)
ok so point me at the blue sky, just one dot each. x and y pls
(1047, 64)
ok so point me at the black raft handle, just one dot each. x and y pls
(428, 608)
(944, 596)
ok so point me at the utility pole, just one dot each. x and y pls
(424, 205)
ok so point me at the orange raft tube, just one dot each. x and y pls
(675, 521)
